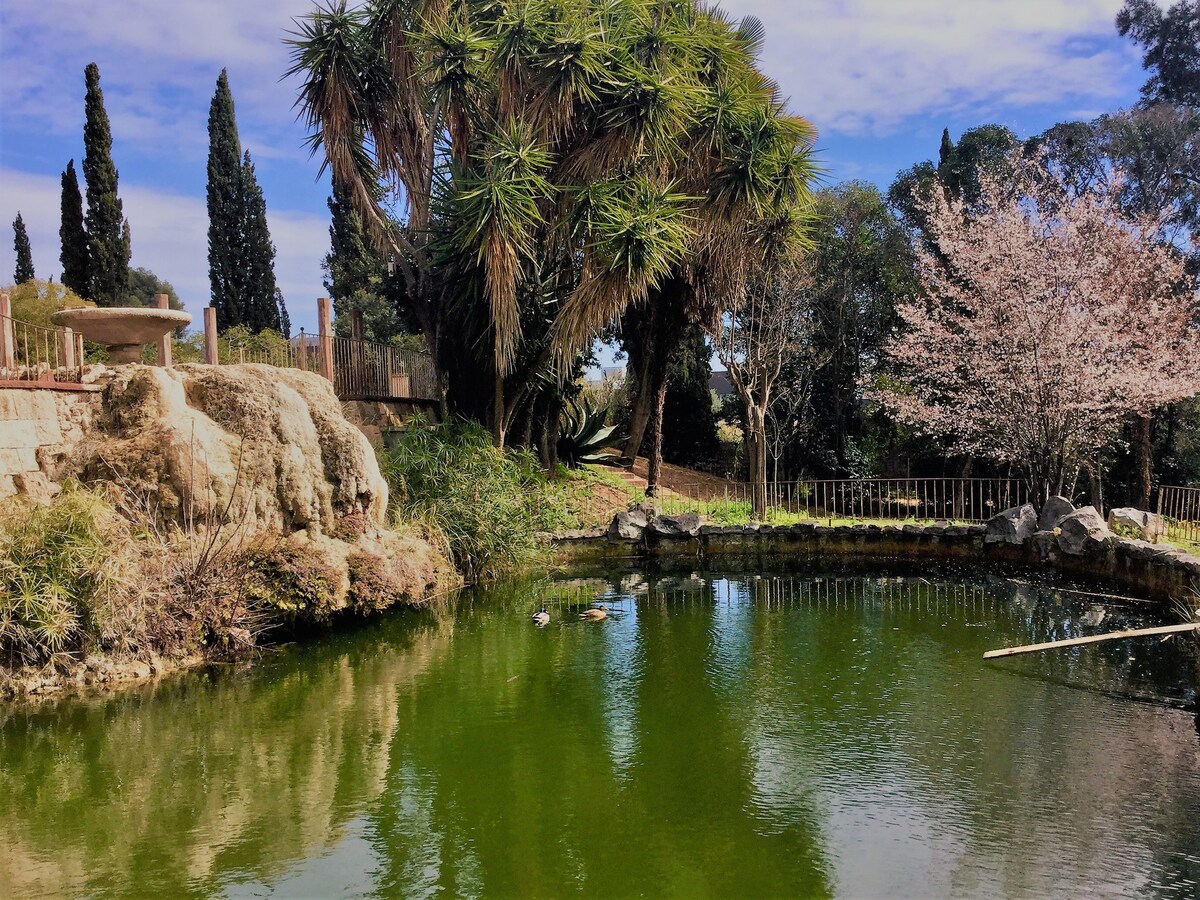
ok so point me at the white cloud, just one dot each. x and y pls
(864, 67)
(170, 237)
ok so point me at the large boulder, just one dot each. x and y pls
(264, 448)
(628, 526)
(1137, 523)
(683, 525)
(1083, 531)
(1013, 526)
(1054, 511)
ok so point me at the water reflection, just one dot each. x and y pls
(809, 735)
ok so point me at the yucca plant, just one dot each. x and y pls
(555, 163)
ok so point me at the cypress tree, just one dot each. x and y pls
(356, 274)
(241, 257)
(259, 304)
(24, 270)
(225, 208)
(946, 150)
(107, 231)
(73, 236)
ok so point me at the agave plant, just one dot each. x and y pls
(584, 434)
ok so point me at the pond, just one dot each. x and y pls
(803, 734)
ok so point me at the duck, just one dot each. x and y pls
(595, 614)
(541, 617)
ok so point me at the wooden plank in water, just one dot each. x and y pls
(1092, 639)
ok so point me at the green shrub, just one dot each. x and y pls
(291, 582)
(488, 504)
(56, 569)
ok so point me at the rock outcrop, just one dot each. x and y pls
(265, 454)
(1013, 526)
(1137, 522)
(266, 447)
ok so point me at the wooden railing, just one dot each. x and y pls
(33, 354)
(951, 499)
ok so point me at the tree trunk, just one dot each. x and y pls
(644, 362)
(1143, 449)
(654, 454)
(756, 451)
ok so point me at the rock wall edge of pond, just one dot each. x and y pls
(1154, 571)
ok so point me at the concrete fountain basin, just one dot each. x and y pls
(124, 330)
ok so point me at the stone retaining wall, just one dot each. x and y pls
(1154, 571)
(38, 426)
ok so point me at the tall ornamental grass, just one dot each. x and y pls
(487, 504)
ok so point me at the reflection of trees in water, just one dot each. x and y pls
(1005, 781)
(168, 789)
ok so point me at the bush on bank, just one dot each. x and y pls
(488, 505)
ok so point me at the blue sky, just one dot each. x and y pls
(879, 78)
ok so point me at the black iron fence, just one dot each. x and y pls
(952, 499)
(1180, 509)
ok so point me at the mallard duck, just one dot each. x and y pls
(541, 617)
(595, 614)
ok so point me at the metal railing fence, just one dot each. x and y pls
(34, 353)
(1180, 510)
(366, 370)
(361, 370)
(954, 499)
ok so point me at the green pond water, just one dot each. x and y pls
(808, 734)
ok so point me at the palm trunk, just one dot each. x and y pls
(654, 454)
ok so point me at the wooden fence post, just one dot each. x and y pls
(66, 339)
(325, 336)
(356, 324)
(210, 335)
(8, 356)
(162, 301)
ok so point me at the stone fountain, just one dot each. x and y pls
(122, 329)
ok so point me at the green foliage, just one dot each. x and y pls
(24, 269)
(291, 581)
(241, 257)
(257, 346)
(987, 148)
(55, 570)
(689, 420)
(144, 285)
(1171, 45)
(356, 274)
(862, 267)
(262, 306)
(107, 230)
(34, 301)
(488, 504)
(73, 235)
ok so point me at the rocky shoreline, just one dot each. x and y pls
(1075, 542)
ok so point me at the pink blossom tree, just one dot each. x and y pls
(1047, 318)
